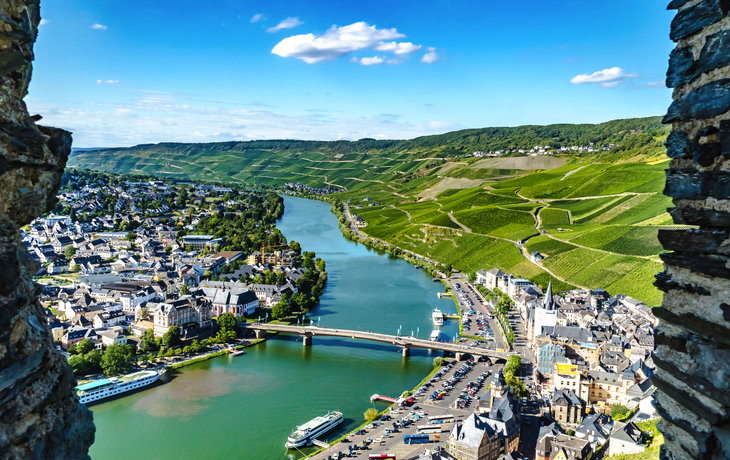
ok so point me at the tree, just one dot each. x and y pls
(184, 290)
(371, 414)
(320, 264)
(149, 341)
(84, 346)
(227, 322)
(117, 359)
(281, 310)
(78, 364)
(438, 361)
(207, 274)
(93, 360)
(73, 349)
(171, 337)
(69, 252)
(143, 313)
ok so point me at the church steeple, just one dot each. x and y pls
(549, 303)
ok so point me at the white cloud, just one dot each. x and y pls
(111, 82)
(257, 18)
(98, 26)
(340, 41)
(44, 22)
(371, 60)
(607, 78)
(393, 61)
(657, 84)
(397, 48)
(430, 57)
(287, 23)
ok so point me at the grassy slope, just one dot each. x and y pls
(608, 207)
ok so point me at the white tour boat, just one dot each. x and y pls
(438, 317)
(304, 434)
(435, 335)
(104, 388)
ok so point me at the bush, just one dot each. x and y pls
(438, 361)
(619, 412)
(371, 414)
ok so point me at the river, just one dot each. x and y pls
(244, 407)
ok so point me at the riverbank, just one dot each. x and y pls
(281, 382)
(380, 414)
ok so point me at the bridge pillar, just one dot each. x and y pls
(260, 334)
(459, 356)
(307, 340)
(406, 352)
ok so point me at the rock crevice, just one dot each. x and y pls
(40, 416)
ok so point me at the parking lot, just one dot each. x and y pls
(458, 386)
(470, 299)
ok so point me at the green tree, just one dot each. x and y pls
(227, 322)
(93, 360)
(171, 337)
(438, 361)
(73, 349)
(320, 264)
(78, 364)
(149, 341)
(281, 310)
(84, 346)
(184, 290)
(117, 359)
(69, 252)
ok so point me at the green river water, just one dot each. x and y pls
(244, 407)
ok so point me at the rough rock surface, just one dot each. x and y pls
(693, 337)
(40, 416)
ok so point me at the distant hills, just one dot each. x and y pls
(278, 161)
(593, 216)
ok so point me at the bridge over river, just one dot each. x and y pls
(404, 342)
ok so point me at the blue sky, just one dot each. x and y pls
(125, 73)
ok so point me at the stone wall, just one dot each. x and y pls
(693, 339)
(40, 416)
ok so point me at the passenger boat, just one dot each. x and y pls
(435, 335)
(304, 434)
(438, 317)
(104, 388)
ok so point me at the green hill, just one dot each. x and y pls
(594, 215)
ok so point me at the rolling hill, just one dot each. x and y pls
(593, 215)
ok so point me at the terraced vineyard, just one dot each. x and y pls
(598, 213)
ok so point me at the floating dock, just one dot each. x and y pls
(443, 294)
(377, 397)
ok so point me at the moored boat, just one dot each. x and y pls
(104, 388)
(438, 317)
(304, 434)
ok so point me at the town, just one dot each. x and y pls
(580, 389)
(122, 269)
(143, 275)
